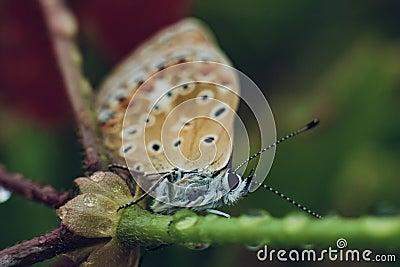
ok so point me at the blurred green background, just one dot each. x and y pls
(335, 60)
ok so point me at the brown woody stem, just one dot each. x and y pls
(62, 28)
(44, 194)
(44, 247)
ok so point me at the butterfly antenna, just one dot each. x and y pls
(298, 205)
(307, 127)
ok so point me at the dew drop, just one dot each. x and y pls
(308, 246)
(104, 227)
(197, 246)
(90, 200)
(97, 177)
(254, 247)
(4, 195)
(42, 239)
(62, 213)
(116, 189)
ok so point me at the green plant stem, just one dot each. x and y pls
(185, 227)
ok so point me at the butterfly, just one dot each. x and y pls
(167, 112)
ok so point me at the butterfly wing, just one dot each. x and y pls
(172, 111)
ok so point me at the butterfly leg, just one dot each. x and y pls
(145, 194)
(116, 167)
(126, 174)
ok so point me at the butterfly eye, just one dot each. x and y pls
(233, 180)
